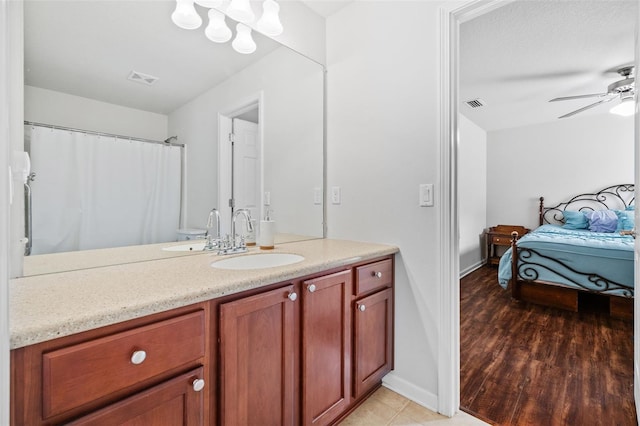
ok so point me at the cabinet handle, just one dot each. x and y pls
(292, 296)
(377, 274)
(311, 288)
(362, 308)
(138, 357)
(198, 385)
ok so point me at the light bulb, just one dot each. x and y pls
(240, 10)
(243, 43)
(217, 30)
(269, 23)
(185, 15)
(209, 3)
(625, 108)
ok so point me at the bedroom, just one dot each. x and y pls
(517, 129)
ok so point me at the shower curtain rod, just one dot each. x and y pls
(110, 135)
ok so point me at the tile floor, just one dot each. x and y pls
(386, 408)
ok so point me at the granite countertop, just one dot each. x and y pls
(45, 307)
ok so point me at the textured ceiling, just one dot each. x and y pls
(520, 55)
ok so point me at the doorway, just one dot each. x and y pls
(240, 164)
(451, 18)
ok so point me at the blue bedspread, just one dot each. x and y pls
(609, 255)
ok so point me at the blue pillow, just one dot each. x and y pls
(602, 220)
(631, 207)
(626, 220)
(575, 220)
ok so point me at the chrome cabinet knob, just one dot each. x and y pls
(361, 308)
(311, 288)
(292, 296)
(198, 385)
(138, 357)
(377, 274)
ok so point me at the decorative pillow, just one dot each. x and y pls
(575, 220)
(626, 220)
(602, 220)
(631, 207)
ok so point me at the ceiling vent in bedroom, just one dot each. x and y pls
(475, 103)
(142, 78)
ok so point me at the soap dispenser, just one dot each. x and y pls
(267, 232)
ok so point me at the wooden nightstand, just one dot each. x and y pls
(501, 236)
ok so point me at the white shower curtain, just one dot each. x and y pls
(95, 191)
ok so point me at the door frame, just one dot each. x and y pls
(231, 112)
(451, 16)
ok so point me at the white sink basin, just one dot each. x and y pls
(195, 246)
(258, 261)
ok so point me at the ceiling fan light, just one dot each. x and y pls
(269, 23)
(185, 15)
(209, 3)
(243, 43)
(626, 107)
(240, 10)
(217, 30)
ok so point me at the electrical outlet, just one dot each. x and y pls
(267, 198)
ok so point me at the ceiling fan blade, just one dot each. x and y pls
(566, 98)
(588, 107)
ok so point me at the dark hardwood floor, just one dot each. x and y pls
(523, 364)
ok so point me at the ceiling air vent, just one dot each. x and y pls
(475, 103)
(142, 78)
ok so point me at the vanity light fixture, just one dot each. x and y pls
(269, 23)
(243, 43)
(186, 16)
(217, 30)
(626, 107)
(240, 10)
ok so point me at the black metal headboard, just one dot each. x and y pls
(616, 197)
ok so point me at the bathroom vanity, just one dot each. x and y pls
(175, 341)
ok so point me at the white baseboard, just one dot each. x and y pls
(470, 269)
(411, 391)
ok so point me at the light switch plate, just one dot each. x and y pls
(426, 195)
(267, 198)
(317, 196)
(336, 196)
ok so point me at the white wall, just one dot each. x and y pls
(304, 30)
(382, 73)
(293, 130)
(472, 192)
(555, 160)
(61, 109)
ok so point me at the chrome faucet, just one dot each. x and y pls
(247, 218)
(213, 241)
(231, 245)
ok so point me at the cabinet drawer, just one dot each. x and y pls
(373, 276)
(82, 373)
(501, 241)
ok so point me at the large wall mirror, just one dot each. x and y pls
(121, 75)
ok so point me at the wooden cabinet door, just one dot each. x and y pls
(258, 359)
(372, 340)
(326, 347)
(172, 403)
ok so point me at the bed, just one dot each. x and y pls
(569, 256)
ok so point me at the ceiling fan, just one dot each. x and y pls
(624, 89)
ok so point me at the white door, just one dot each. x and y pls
(246, 169)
